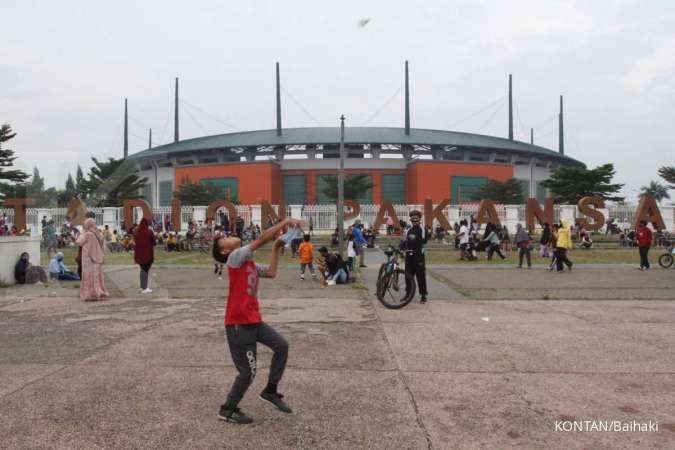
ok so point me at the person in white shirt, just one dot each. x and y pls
(351, 252)
(464, 235)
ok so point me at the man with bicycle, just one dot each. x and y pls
(415, 240)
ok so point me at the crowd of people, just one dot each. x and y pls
(469, 237)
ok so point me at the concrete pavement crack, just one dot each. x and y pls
(36, 380)
(401, 375)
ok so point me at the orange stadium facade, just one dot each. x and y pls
(291, 165)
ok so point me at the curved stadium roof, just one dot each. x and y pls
(353, 136)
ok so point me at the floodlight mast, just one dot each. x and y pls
(341, 192)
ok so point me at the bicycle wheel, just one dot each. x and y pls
(666, 260)
(396, 289)
(383, 266)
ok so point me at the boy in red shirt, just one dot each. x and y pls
(243, 324)
(644, 238)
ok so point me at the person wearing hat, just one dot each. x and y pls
(359, 241)
(415, 240)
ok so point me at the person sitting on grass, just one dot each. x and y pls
(171, 242)
(59, 271)
(335, 269)
(369, 235)
(128, 242)
(244, 326)
(586, 241)
(335, 238)
(26, 273)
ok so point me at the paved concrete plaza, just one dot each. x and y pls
(495, 358)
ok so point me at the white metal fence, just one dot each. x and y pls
(323, 218)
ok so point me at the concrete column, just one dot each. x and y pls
(110, 218)
(375, 150)
(668, 214)
(48, 213)
(407, 152)
(511, 218)
(279, 153)
(256, 212)
(568, 212)
(605, 212)
(453, 214)
(296, 211)
(311, 152)
(199, 213)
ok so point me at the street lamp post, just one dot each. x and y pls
(341, 192)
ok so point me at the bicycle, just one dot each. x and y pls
(666, 260)
(395, 287)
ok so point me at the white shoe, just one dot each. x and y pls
(330, 282)
(147, 291)
(220, 278)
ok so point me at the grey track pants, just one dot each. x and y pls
(242, 340)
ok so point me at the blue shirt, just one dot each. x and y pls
(358, 235)
(56, 266)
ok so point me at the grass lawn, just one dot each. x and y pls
(593, 256)
(163, 257)
(445, 255)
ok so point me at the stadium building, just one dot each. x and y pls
(290, 165)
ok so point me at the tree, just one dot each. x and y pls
(509, 192)
(668, 174)
(7, 160)
(655, 190)
(198, 194)
(36, 190)
(110, 182)
(80, 184)
(355, 186)
(70, 192)
(571, 184)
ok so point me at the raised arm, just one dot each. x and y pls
(271, 233)
(271, 271)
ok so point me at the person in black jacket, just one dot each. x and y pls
(415, 240)
(545, 240)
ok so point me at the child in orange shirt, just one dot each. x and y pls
(305, 251)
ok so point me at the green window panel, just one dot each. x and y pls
(146, 193)
(230, 186)
(393, 188)
(165, 192)
(295, 189)
(525, 188)
(365, 198)
(541, 192)
(320, 185)
(463, 188)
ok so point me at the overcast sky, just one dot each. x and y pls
(66, 67)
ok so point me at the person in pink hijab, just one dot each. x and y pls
(92, 242)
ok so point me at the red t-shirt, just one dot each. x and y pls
(242, 299)
(644, 237)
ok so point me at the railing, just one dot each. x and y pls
(324, 218)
